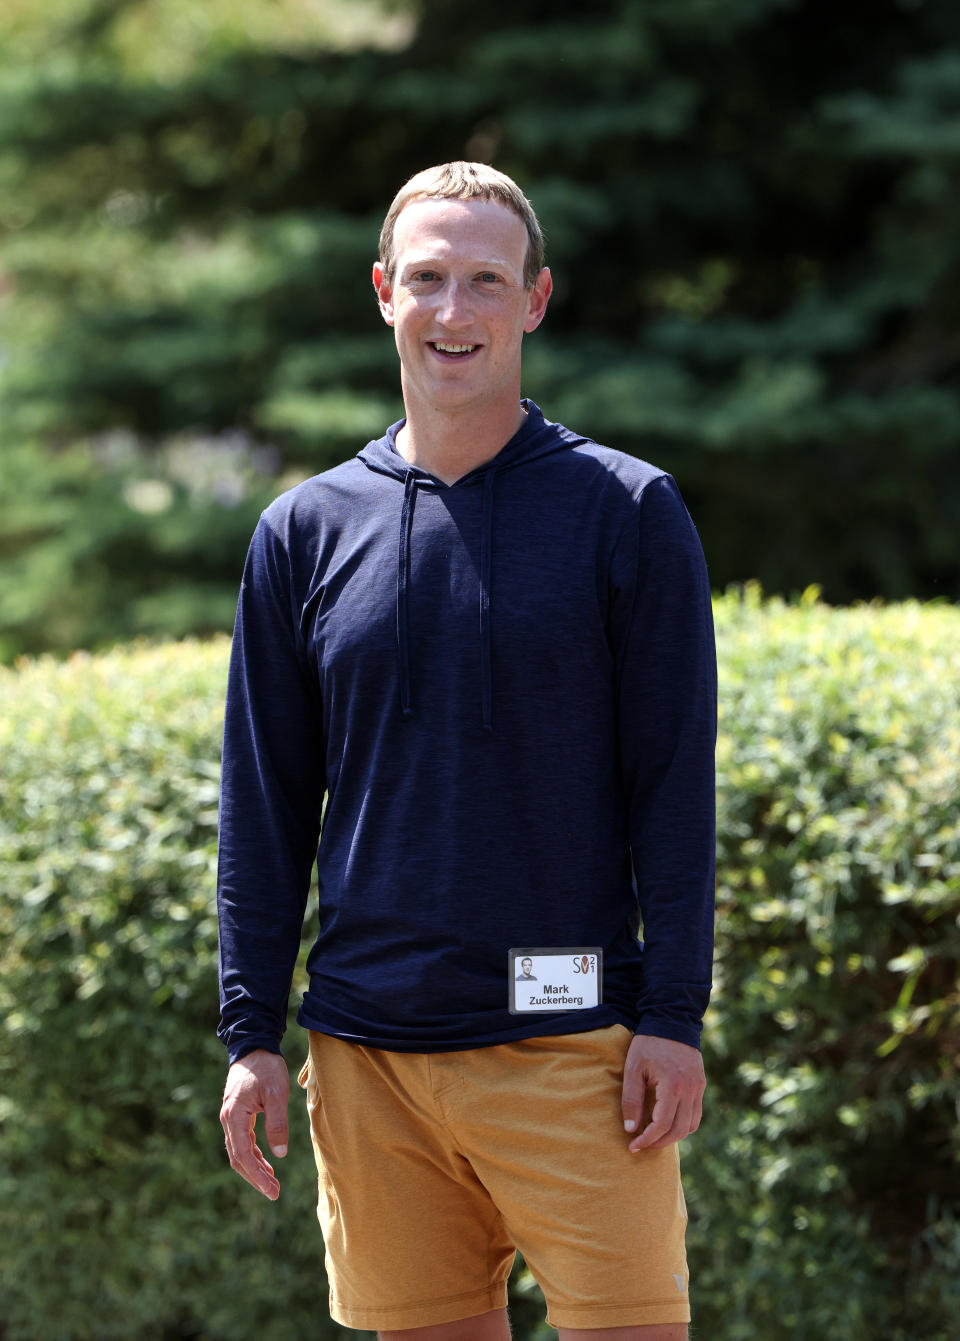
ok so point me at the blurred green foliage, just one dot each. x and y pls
(830, 1154)
(825, 1181)
(750, 209)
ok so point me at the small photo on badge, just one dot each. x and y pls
(526, 973)
(554, 978)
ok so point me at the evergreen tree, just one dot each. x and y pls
(749, 208)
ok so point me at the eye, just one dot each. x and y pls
(423, 276)
(488, 277)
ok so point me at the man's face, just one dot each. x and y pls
(458, 305)
(527, 967)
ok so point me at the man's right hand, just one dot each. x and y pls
(257, 1083)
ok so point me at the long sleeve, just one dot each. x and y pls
(667, 691)
(271, 797)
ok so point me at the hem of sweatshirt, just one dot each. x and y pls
(571, 1022)
(540, 1026)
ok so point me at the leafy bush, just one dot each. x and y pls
(119, 1217)
(823, 1182)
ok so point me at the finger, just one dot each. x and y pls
(660, 1124)
(674, 1136)
(689, 1112)
(259, 1175)
(251, 1165)
(684, 1122)
(245, 1155)
(631, 1102)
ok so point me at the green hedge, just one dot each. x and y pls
(824, 1184)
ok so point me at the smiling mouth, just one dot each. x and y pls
(451, 350)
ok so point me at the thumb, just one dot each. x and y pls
(275, 1123)
(631, 1102)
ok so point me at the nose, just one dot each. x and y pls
(454, 309)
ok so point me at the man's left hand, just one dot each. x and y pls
(675, 1072)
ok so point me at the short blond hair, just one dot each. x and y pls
(465, 181)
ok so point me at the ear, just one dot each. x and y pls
(384, 293)
(539, 297)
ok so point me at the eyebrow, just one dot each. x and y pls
(439, 262)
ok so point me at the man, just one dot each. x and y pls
(488, 641)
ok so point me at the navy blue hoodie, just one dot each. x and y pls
(506, 689)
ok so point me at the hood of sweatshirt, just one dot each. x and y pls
(535, 438)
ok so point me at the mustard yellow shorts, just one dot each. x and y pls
(435, 1167)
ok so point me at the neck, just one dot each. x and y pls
(451, 445)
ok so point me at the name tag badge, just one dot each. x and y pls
(554, 978)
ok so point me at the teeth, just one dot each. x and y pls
(453, 349)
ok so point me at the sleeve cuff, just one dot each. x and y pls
(673, 1030)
